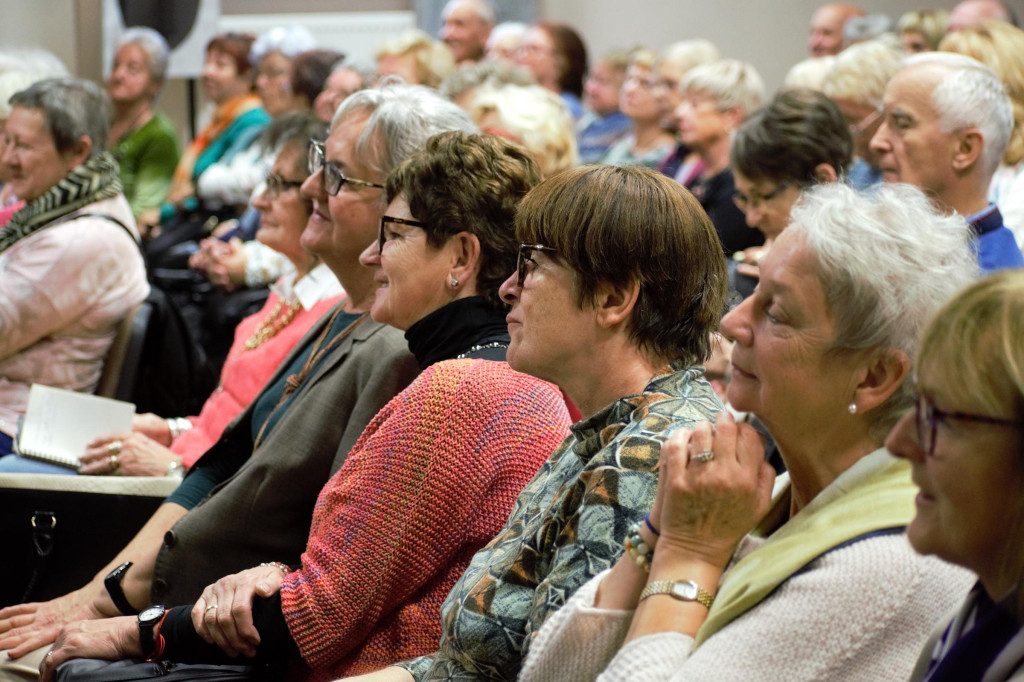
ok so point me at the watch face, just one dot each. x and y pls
(685, 590)
(152, 613)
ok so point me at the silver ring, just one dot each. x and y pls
(704, 456)
(114, 448)
(211, 607)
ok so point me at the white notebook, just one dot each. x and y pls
(58, 424)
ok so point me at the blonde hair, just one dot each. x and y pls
(434, 60)
(689, 54)
(931, 24)
(729, 83)
(860, 73)
(642, 57)
(999, 46)
(535, 118)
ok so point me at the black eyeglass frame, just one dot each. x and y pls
(277, 184)
(384, 219)
(333, 178)
(525, 250)
(743, 202)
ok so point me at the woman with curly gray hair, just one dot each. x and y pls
(726, 581)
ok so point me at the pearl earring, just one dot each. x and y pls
(455, 282)
(852, 408)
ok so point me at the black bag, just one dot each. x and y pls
(92, 670)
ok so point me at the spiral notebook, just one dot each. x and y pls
(58, 424)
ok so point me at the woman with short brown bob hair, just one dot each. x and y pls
(639, 237)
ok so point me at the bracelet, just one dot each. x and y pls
(650, 526)
(638, 549)
(178, 426)
(284, 568)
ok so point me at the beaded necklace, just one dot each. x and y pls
(279, 318)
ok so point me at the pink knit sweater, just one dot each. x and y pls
(431, 480)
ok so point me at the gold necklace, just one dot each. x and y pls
(279, 318)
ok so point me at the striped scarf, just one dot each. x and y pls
(94, 180)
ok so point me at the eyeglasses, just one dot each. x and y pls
(384, 219)
(744, 202)
(929, 416)
(334, 179)
(525, 253)
(276, 184)
(863, 124)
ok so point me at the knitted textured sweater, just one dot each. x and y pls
(430, 482)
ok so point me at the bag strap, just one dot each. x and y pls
(43, 524)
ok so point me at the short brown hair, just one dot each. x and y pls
(234, 45)
(617, 225)
(462, 182)
(571, 52)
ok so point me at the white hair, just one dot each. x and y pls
(970, 95)
(687, 54)
(729, 82)
(400, 119)
(481, 8)
(860, 73)
(808, 73)
(288, 40)
(536, 118)
(153, 44)
(20, 68)
(508, 30)
(886, 261)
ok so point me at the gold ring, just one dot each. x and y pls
(114, 448)
(114, 464)
(211, 607)
(704, 456)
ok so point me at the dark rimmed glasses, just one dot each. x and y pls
(929, 416)
(525, 253)
(744, 202)
(385, 219)
(277, 184)
(334, 179)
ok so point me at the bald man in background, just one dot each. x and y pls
(466, 25)
(827, 24)
(972, 11)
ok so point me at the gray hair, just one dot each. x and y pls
(153, 44)
(73, 107)
(509, 29)
(860, 73)
(729, 83)
(489, 73)
(970, 95)
(482, 9)
(886, 261)
(689, 54)
(288, 40)
(400, 119)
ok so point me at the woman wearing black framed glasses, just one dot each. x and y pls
(964, 442)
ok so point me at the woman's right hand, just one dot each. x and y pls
(706, 507)
(223, 614)
(126, 454)
(153, 427)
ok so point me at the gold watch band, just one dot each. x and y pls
(683, 590)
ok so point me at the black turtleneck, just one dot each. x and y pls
(458, 328)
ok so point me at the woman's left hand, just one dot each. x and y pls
(716, 486)
(110, 639)
(223, 614)
(126, 454)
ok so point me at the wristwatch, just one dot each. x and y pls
(147, 623)
(683, 590)
(113, 584)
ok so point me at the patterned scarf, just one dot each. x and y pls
(94, 180)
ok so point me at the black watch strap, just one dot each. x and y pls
(113, 584)
(148, 620)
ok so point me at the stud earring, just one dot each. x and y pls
(852, 408)
(455, 283)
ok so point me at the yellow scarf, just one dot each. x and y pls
(875, 493)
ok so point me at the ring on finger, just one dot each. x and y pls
(115, 465)
(114, 448)
(211, 607)
(703, 456)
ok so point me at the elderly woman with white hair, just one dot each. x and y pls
(726, 581)
(143, 140)
(856, 83)
(70, 269)
(533, 117)
(716, 98)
